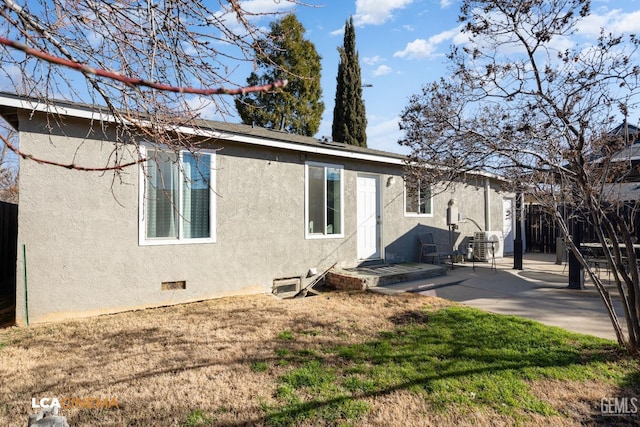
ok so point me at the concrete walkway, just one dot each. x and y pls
(537, 292)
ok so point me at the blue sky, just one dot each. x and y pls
(402, 46)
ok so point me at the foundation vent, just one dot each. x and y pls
(287, 287)
(174, 286)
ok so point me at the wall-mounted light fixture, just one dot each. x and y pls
(391, 180)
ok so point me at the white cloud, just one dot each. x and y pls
(256, 10)
(445, 3)
(417, 49)
(266, 6)
(421, 48)
(615, 21)
(382, 71)
(13, 80)
(372, 60)
(629, 23)
(209, 109)
(95, 39)
(384, 135)
(376, 12)
(588, 29)
(445, 35)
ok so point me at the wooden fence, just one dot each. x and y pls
(8, 246)
(541, 229)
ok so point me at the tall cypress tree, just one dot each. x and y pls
(296, 109)
(349, 116)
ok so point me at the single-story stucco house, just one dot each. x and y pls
(253, 206)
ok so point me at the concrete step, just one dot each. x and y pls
(419, 286)
(361, 278)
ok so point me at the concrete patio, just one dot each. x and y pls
(537, 292)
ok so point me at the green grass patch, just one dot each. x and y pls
(259, 366)
(312, 375)
(283, 352)
(454, 356)
(197, 418)
(286, 336)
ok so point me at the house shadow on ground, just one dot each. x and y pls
(406, 248)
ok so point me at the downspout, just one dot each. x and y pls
(487, 200)
(26, 299)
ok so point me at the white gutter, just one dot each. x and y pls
(209, 133)
(90, 114)
(27, 104)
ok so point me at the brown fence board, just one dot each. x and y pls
(8, 246)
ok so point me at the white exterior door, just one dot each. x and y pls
(508, 224)
(369, 219)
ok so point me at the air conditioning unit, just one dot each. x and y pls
(485, 251)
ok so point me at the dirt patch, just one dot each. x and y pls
(580, 402)
(410, 317)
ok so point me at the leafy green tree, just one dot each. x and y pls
(285, 54)
(349, 116)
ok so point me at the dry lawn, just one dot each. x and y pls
(163, 364)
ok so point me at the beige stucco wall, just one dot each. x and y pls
(80, 229)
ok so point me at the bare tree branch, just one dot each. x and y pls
(131, 81)
(147, 62)
(26, 156)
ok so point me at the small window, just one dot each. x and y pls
(324, 189)
(418, 198)
(177, 199)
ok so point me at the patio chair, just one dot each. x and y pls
(594, 256)
(432, 251)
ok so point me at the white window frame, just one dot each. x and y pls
(417, 214)
(142, 182)
(324, 235)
